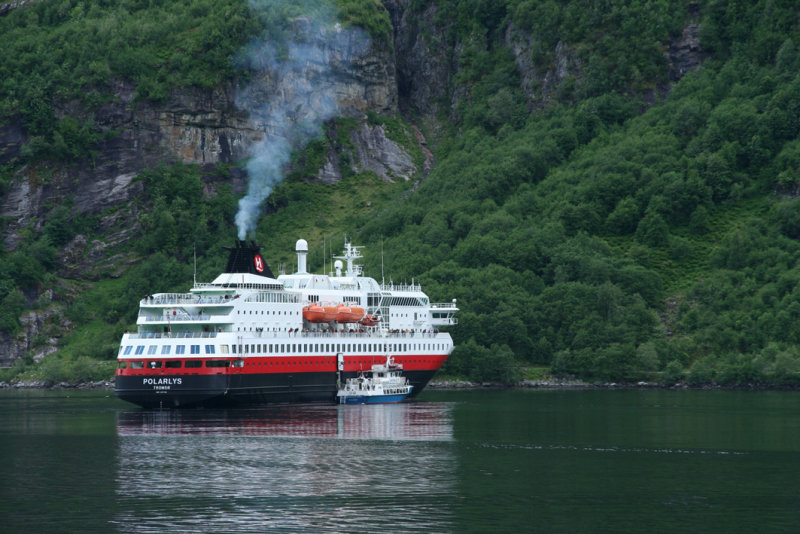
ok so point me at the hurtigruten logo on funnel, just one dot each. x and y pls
(259, 263)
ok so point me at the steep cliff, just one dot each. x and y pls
(194, 126)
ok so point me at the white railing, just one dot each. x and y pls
(170, 299)
(401, 287)
(297, 335)
(186, 317)
(172, 335)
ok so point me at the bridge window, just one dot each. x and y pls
(165, 349)
(127, 350)
(180, 349)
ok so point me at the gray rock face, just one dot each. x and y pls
(685, 53)
(377, 153)
(540, 86)
(34, 337)
(425, 63)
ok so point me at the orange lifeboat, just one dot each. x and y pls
(349, 314)
(370, 320)
(315, 313)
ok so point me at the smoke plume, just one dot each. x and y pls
(293, 91)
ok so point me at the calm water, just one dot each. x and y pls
(474, 461)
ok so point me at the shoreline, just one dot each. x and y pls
(449, 385)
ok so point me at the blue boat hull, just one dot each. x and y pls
(371, 399)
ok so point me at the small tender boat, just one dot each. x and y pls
(370, 320)
(382, 384)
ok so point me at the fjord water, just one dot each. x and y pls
(450, 461)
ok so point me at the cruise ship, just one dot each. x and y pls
(249, 337)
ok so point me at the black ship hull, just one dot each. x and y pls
(225, 390)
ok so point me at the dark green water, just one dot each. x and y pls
(452, 461)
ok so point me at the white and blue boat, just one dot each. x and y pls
(384, 383)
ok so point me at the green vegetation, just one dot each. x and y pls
(607, 233)
(567, 235)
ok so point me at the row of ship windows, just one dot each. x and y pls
(176, 364)
(283, 348)
(194, 364)
(179, 349)
(328, 348)
(405, 301)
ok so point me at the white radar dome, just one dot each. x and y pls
(301, 246)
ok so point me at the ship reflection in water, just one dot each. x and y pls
(384, 467)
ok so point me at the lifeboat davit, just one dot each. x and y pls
(349, 314)
(370, 320)
(315, 313)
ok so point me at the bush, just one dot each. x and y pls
(673, 372)
(10, 309)
(701, 373)
(82, 369)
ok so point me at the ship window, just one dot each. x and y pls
(172, 364)
(210, 349)
(151, 349)
(154, 364)
(140, 349)
(122, 365)
(195, 349)
(247, 349)
(180, 349)
(223, 349)
(283, 347)
(253, 349)
(218, 363)
(165, 349)
(193, 363)
(128, 350)
(137, 364)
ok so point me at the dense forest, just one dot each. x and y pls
(628, 225)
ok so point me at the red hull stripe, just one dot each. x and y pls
(272, 364)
